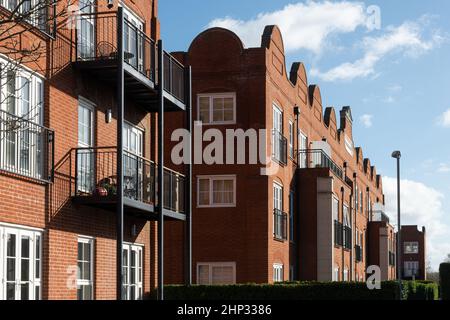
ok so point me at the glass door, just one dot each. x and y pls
(85, 158)
(132, 272)
(20, 266)
(277, 132)
(86, 30)
(133, 162)
(133, 40)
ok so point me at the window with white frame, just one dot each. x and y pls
(132, 271)
(336, 273)
(85, 262)
(361, 202)
(20, 260)
(216, 273)
(217, 108)
(411, 268)
(291, 139)
(335, 209)
(32, 11)
(345, 274)
(21, 133)
(411, 247)
(278, 272)
(85, 158)
(216, 191)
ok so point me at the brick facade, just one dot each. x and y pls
(244, 233)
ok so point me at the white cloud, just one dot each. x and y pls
(423, 206)
(389, 100)
(303, 25)
(444, 119)
(406, 39)
(366, 120)
(395, 88)
(443, 168)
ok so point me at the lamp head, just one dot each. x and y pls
(396, 154)
(110, 4)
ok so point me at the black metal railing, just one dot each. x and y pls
(95, 38)
(279, 147)
(174, 77)
(96, 176)
(318, 159)
(338, 234)
(26, 148)
(279, 225)
(392, 261)
(347, 231)
(358, 253)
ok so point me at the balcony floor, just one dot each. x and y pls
(137, 87)
(132, 207)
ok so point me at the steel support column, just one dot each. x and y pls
(188, 187)
(120, 121)
(160, 171)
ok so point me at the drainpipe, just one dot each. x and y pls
(353, 224)
(342, 249)
(296, 211)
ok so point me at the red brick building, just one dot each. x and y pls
(65, 204)
(414, 253)
(308, 220)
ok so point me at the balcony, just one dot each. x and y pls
(26, 148)
(96, 40)
(279, 147)
(280, 225)
(338, 234)
(96, 183)
(358, 253)
(318, 159)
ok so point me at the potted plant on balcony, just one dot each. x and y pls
(105, 188)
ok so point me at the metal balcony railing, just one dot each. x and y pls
(318, 159)
(26, 148)
(96, 176)
(174, 77)
(279, 147)
(338, 234)
(96, 39)
(279, 225)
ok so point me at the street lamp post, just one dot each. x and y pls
(397, 155)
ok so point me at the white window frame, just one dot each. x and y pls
(291, 139)
(84, 103)
(335, 208)
(34, 283)
(90, 282)
(412, 244)
(210, 266)
(139, 286)
(336, 274)
(345, 277)
(139, 24)
(211, 97)
(278, 272)
(211, 179)
(303, 157)
(35, 115)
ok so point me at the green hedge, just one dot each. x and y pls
(286, 291)
(444, 276)
(420, 290)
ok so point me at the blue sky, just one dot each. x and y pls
(396, 79)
